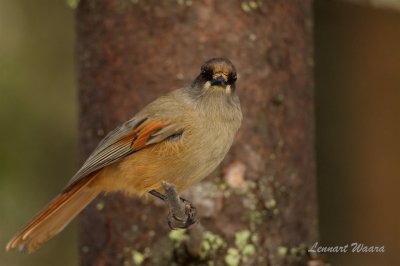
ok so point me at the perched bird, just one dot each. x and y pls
(179, 138)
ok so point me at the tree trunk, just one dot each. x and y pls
(259, 207)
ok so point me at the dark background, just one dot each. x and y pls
(357, 66)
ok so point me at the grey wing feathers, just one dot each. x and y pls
(164, 133)
(107, 151)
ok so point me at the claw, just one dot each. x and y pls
(175, 222)
(182, 212)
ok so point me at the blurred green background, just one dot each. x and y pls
(357, 72)
(38, 118)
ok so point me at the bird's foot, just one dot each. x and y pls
(182, 214)
(175, 221)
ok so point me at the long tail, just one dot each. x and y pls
(52, 219)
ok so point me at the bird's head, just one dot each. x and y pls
(217, 75)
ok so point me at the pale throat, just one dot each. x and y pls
(227, 90)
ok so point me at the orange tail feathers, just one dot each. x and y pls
(52, 219)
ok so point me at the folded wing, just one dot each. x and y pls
(132, 136)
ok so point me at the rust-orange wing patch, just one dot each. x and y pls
(145, 132)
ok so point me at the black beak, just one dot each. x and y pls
(220, 81)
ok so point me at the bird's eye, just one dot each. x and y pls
(234, 78)
(206, 72)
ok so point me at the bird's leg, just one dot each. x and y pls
(182, 212)
(157, 194)
(163, 197)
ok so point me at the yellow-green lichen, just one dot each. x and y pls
(178, 236)
(248, 250)
(294, 252)
(248, 6)
(138, 257)
(282, 251)
(134, 228)
(254, 238)
(251, 184)
(210, 244)
(241, 238)
(256, 217)
(232, 257)
(245, 7)
(100, 206)
(268, 195)
(243, 250)
(270, 204)
(253, 5)
(299, 251)
(222, 186)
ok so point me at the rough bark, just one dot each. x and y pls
(259, 207)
